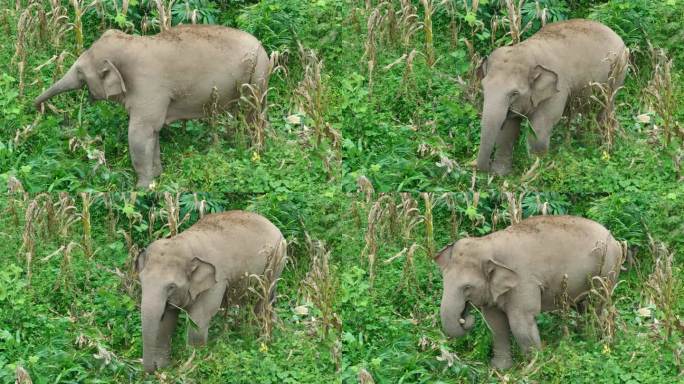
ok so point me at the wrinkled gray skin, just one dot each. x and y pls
(192, 271)
(535, 78)
(163, 78)
(514, 274)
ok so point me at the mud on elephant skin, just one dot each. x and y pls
(514, 274)
(193, 270)
(174, 75)
(535, 78)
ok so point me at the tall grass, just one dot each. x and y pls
(604, 95)
(86, 202)
(320, 285)
(660, 94)
(662, 286)
(428, 10)
(370, 46)
(266, 283)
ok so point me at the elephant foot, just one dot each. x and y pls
(501, 168)
(537, 147)
(159, 363)
(143, 183)
(196, 338)
(501, 362)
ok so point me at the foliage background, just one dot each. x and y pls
(76, 319)
(75, 316)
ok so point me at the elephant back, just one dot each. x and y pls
(235, 242)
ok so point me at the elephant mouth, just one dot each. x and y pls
(467, 321)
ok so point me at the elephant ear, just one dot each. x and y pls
(202, 277)
(481, 70)
(444, 256)
(140, 261)
(501, 278)
(112, 81)
(543, 84)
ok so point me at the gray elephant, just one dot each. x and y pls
(175, 75)
(535, 79)
(193, 270)
(514, 274)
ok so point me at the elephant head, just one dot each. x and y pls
(471, 276)
(171, 276)
(511, 83)
(97, 68)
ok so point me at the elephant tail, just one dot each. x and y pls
(276, 264)
(261, 70)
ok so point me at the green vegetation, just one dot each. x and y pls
(371, 98)
(396, 101)
(70, 311)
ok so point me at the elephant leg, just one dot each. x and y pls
(143, 143)
(157, 167)
(166, 328)
(521, 310)
(505, 142)
(498, 322)
(543, 120)
(201, 312)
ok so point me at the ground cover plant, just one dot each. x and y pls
(359, 297)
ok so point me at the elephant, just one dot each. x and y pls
(536, 78)
(539, 264)
(178, 74)
(196, 269)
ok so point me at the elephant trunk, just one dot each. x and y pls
(69, 82)
(456, 321)
(152, 307)
(494, 114)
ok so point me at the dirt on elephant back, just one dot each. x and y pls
(222, 221)
(566, 29)
(200, 32)
(537, 224)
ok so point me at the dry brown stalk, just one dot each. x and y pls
(21, 373)
(604, 95)
(320, 285)
(164, 14)
(514, 206)
(662, 285)
(370, 46)
(171, 211)
(365, 377)
(311, 94)
(428, 201)
(407, 22)
(428, 9)
(454, 26)
(14, 188)
(78, 25)
(514, 19)
(660, 93)
(265, 289)
(253, 99)
(31, 216)
(65, 213)
(86, 202)
(454, 218)
(365, 187)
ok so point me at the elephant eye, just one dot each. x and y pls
(467, 287)
(515, 93)
(172, 287)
